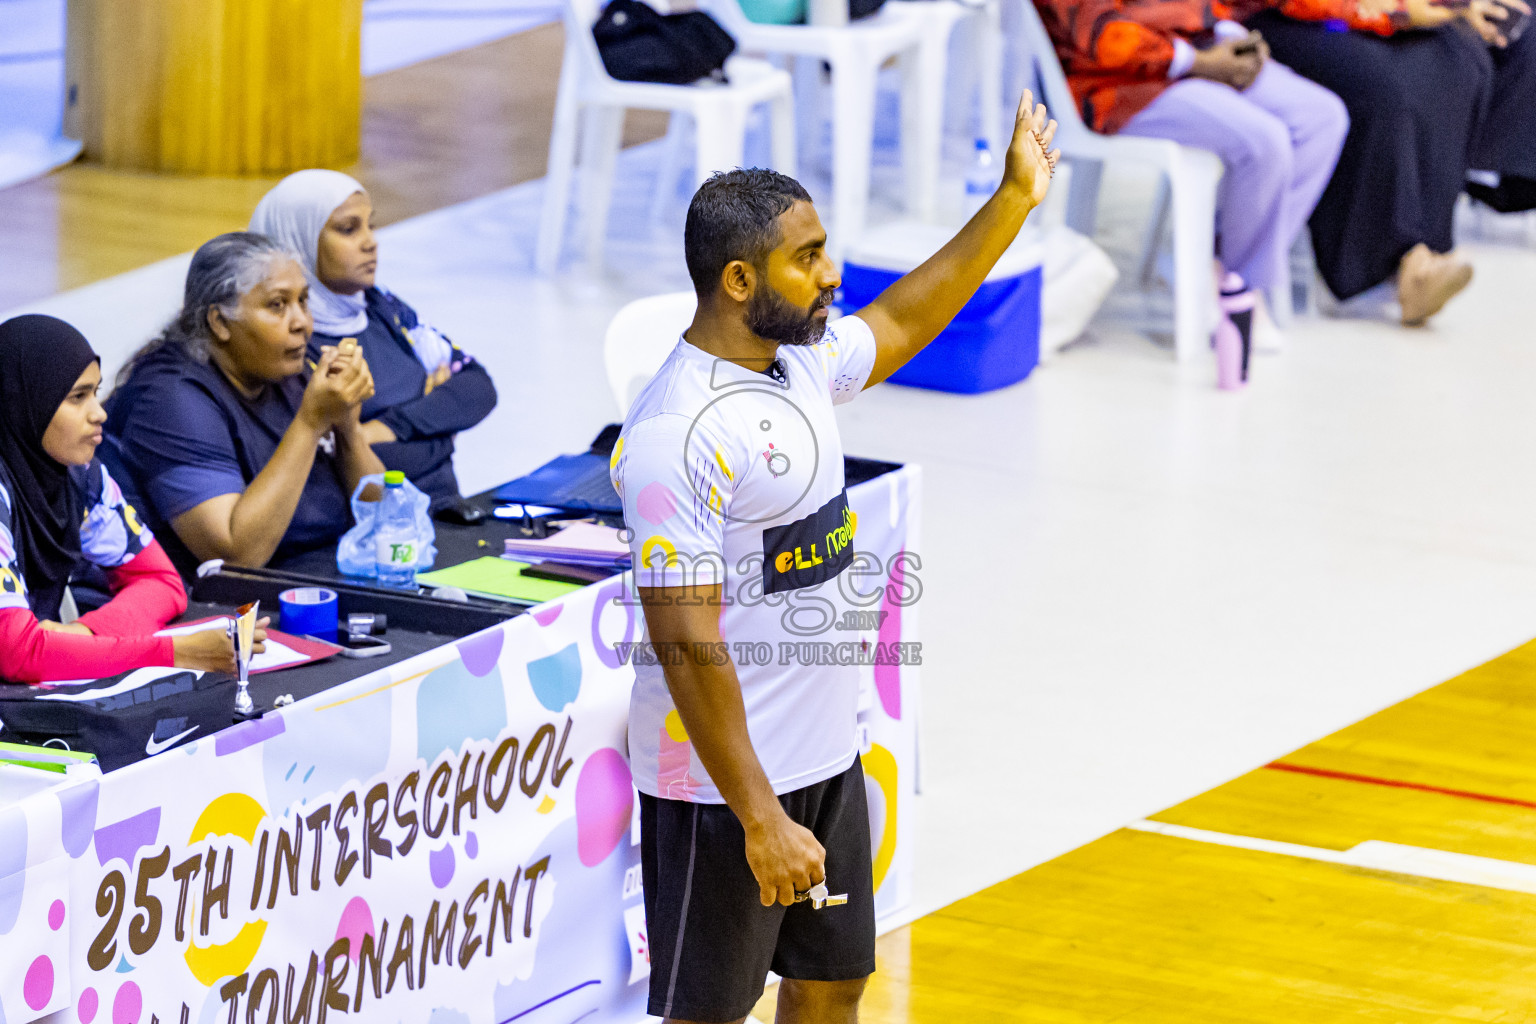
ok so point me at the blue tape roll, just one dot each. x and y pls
(308, 610)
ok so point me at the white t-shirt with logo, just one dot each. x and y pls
(735, 477)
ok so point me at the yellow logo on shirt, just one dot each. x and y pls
(794, 559)
(10, 583)
(665, 545)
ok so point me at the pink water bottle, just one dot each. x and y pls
(1233, 339)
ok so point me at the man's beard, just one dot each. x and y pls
(772, 317)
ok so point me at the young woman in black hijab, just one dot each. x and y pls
(59, 508)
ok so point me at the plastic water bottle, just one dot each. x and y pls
(980, 180)
(395, 543)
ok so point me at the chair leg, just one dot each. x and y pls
(599, 149)
(989, 108)
(923, 74)
(853, 138)
(671, 165)
(964, 85)
(720, 131)
(1193, 176)
(557, 180)
(1083, 196)
(1156, 231)
(1282, 303)
(809, 89)
(781, 122)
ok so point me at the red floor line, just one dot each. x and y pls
(1372, 780)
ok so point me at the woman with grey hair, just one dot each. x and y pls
(242, 447)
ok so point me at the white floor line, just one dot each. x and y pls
(1375, 855)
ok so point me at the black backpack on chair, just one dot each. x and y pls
(639, 45)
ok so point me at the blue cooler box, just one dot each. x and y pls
(994, 342)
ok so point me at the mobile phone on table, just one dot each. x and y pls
(356, 645)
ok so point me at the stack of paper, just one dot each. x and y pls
(48, 759)
(496, 578)
(580, 543)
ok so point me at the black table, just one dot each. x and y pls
(430, 615)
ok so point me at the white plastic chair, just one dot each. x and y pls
(980, 76)
(1190, 176)
(639, 338)
(719, 110)
(917, 33)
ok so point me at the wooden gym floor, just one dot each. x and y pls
(1154, 928)
(434, 134)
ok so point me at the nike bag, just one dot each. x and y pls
(123, 718)
(639, 45)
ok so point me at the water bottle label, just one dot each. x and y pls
(389, 552)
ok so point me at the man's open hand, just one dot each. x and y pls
(1031, 161)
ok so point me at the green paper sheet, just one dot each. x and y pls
(490, 576)
(48, 759)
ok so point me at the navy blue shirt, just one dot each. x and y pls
(182, 434)
(424, 423)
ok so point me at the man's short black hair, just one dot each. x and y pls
(735, 216)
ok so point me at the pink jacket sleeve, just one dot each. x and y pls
(146, 595)
(30, 654)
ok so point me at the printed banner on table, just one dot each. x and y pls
(450, 840)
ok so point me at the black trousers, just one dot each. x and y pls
(1506, 140)
(1417, 103)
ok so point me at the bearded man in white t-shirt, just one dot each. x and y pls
(731, 471)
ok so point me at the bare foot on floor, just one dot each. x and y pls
(1427, 280)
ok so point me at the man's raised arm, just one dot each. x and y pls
(913, 311)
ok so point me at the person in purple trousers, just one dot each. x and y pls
(1175, 69)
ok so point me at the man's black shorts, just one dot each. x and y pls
(712, 941)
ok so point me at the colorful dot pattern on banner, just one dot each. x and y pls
(77, 816)
(610, 597)
(128, 1004)
(356, 921)
(481, 651)
(13, 865)
(441, 865)
(232, 814)
(454, 704)
(88, 1005)
(604, 804)
(888, 676)
(556, 679)
(881, 768)
(122, 840)
(37, 987)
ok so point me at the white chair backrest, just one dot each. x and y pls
(1048, 75)
(728, 13)
(579, 16)
(639, 338)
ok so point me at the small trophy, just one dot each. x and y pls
(242, 633)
